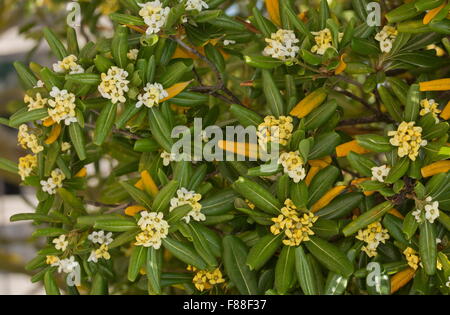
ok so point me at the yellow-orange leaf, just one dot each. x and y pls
(341, 66)
(312, 172)
(81, 173)
(435, 85)
(352, 146)
(246, 149)
(322, 163)
(400, 279)
(436, 168)
(139, 184)
(132, 210)
(48, 122)
(432, 13)
(327, 198)
(182, 53)
(273, 7)
(396, 213)
(54, 134)
(445, 114)
(310, 102)
(359, 180)
(149, 184)
(175, 89)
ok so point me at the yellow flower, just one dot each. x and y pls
(372, 235)
(51, 260)
(28, 140)
(109, 6)
(412, 258)
(26, 165)
(429, 106)
(324, 40)
(205, 280)
(275, 130)
(35, 103)
(296, 227)
(408, 139)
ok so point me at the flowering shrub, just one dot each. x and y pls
(356, 114)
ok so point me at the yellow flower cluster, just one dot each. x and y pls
(275, 130)
(53, 182)
(412, 258)
(296, 227)
(292, 163)
(282, 45)
(68, 65)
(114, 85)
(154, 15)
(62, 106)
(27, 164)
(204, 279)
(51, 260)
(101, 252)
(429, 106)
(28, 140)
(185, 197)
(154, 229)
(408, 138)
(324, 40)
(250, 204)
(386, 38)
(373, 235)
(35, 103)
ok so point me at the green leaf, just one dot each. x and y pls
(361, 164)
(138, 195)
(162, 199)
(77, 138)
(26, 77)
(398, 170)
(105, 123)
(119, 47)
(412, 103)
(263, 250)
(324, 145)
(341, 206)
(258, 195)
(25, 116)
(153, 267)
(273, 95)
(375, 143)
(322, 182)
(51, 288)
(55, 44)
(285, 270)
(427, 247)
(8, 166)
(305, 272)
(367, 218)
(330, 256)
(234, 256)
(245, 116)
(184, 252)
(115, 225)
(99, 285)
(137, 260)
(201, 245)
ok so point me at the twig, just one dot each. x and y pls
(117, 131)
(358, 99)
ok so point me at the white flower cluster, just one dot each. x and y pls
(133, 54)
(281, 45)
(53, 182)
(100, 237)
(431, 210)
(114, 85)
(379, 173)
(386, 38)
(68, 65)
(154, 15)
(292, 163)
(185, 197)
(62, 106)
(67, 265)
(154, 229)
(196, 5)
(154, 93)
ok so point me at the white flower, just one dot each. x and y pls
(154, 93)
(386, 45)
(114, 85)
(39, 84)
(227, 42)
(154, 229)
(54, 181)
(93, 257)
(154, 15)
(417, 214)
(62, 106)
(386, 37)
(196, 5)
(61, 243)
(68, 65)
(185, 197)
(65, 146)
(281, 45)
(380, 172)
(100, 237)
(67, 265)
(292, 164)
(167, 157)
(133, 54)
(432, 211)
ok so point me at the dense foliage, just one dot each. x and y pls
(359, 112)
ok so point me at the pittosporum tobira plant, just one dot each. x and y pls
(355, 113)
